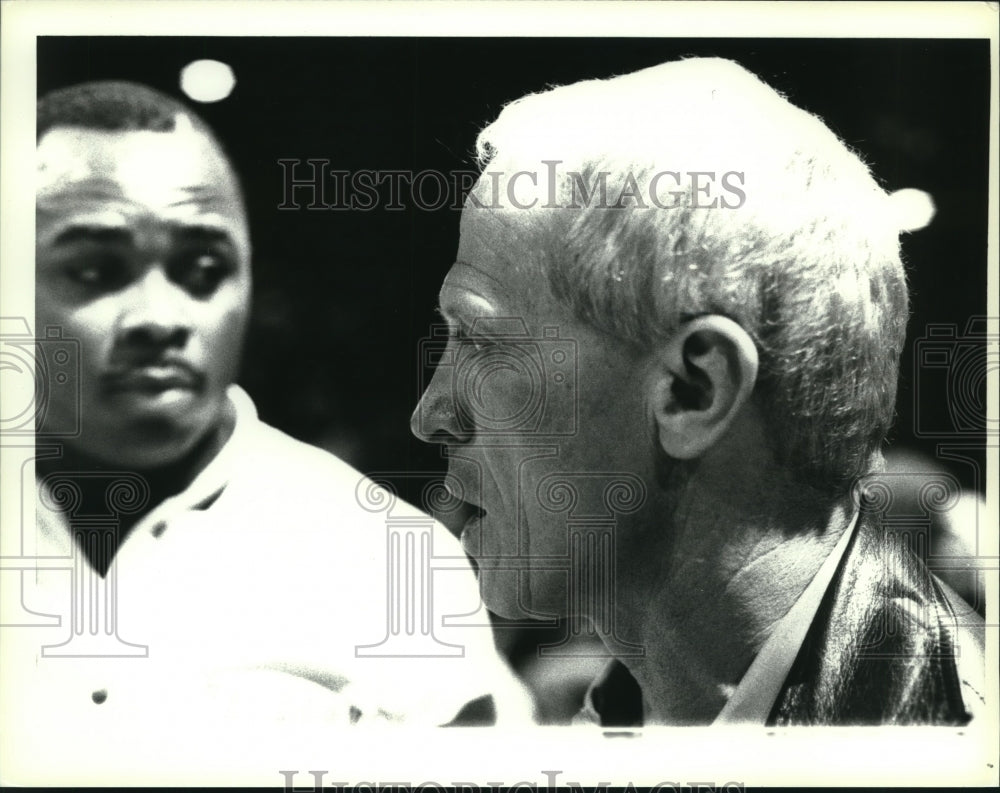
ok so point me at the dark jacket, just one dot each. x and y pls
(890, 644)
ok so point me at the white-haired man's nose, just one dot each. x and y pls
(435, 419)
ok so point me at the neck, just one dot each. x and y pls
(163, 482)
(738, 562)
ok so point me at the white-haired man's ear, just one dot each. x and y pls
(700, 381)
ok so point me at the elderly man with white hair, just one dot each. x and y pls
(675, 322)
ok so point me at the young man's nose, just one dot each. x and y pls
(156, 312)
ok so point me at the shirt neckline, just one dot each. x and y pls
(207, 485)
(752, 701)
(214, 477)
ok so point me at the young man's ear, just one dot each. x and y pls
(702, 377)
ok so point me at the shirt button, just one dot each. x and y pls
(159, 528)
(99, 696)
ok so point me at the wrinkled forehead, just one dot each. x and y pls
(145, 166)
(516, 203)
(506, 252)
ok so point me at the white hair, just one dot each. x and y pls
(801, 251)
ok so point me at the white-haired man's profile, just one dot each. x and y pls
(727, 274)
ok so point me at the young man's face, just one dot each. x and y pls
(547, 431)
(142, 255)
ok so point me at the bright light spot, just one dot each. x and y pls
(207, 81)
(911, 209)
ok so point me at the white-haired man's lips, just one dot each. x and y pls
(458, 518)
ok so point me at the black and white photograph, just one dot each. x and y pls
(479, 395)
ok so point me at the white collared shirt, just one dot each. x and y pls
(247, 610)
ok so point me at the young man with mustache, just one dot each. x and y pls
(225, 577)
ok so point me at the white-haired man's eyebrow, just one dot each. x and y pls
(474, 266)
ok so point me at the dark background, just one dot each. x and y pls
(343, 298)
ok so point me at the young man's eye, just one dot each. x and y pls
(201, 272)
(97, 271)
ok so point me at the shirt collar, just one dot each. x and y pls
(213, 478)
(753, 699)
(206, 487)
